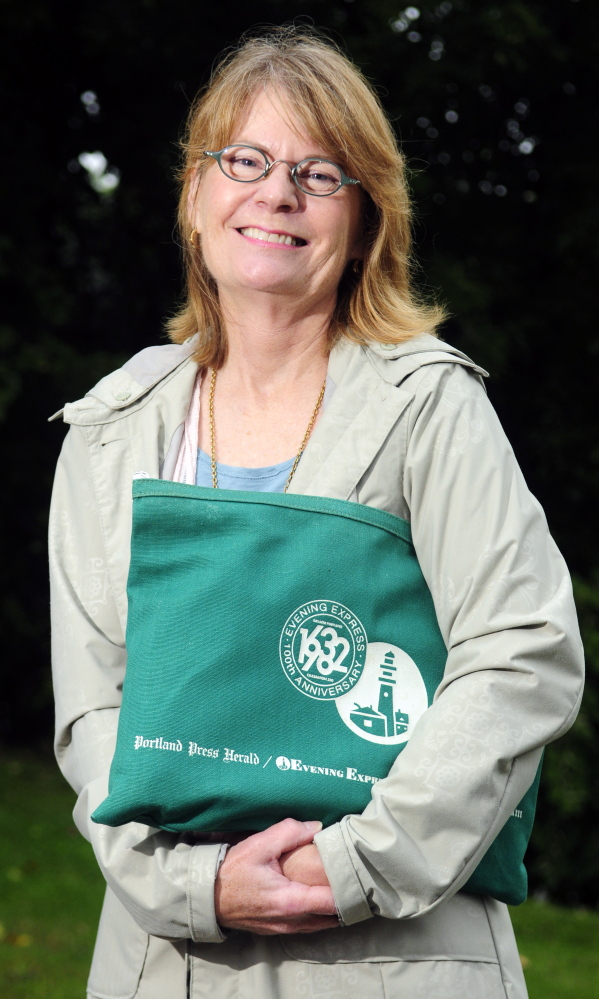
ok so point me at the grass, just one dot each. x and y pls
(51, 894)
(559, 950)
(51, 889)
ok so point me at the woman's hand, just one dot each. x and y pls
(252, 893)
(304, 865)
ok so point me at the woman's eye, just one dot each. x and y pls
(314, 173)
(243, 164)
(318, 177)
(245, 161)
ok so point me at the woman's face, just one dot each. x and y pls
(235, 219)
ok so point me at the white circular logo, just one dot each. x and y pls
(323, 649)
(388, 699)
(282, 762)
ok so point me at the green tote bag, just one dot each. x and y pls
(281, 650)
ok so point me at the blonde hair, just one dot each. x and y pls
(340, 110)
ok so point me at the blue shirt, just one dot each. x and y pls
(271, 479)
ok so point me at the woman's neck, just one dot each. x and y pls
(272, 344)
(268, 387)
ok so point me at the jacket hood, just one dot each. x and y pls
(395, 361)
(116, 394)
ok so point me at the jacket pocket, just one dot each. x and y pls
(458, 931)
(119, 954)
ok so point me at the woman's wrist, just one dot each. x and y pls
(304, 865)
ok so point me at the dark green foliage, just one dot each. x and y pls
(506, 233)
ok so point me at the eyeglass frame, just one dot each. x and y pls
(293, 169)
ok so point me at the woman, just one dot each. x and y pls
(314, 371)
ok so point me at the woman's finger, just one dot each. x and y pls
(299, 900)
(281, 838)
(270, 927)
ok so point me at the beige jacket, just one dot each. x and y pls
(408, 429)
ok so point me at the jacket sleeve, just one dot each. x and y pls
(165, 881)
(514, 669)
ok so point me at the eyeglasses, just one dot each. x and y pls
(247, 164)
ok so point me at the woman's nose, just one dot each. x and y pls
(277, 188)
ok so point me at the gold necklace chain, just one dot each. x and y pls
(213, 440)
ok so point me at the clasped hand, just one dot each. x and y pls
(274, 882)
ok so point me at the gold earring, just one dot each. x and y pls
(192, 235)
(356, 266)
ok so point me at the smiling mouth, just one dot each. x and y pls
(272, 237)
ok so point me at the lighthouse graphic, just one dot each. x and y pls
(386, 721)
(387, 700)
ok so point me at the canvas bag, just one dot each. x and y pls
(281, 650)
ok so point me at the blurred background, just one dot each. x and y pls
(495, 104)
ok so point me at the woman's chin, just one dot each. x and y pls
(287, 285)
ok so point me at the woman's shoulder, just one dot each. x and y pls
(131, 385)
(420, 366)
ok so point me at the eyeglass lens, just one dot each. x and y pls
(313, 176)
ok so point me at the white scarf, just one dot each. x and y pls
(187, 458)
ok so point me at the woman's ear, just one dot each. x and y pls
(358, 250)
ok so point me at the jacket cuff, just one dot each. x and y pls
(350, 899)
(204, 863)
